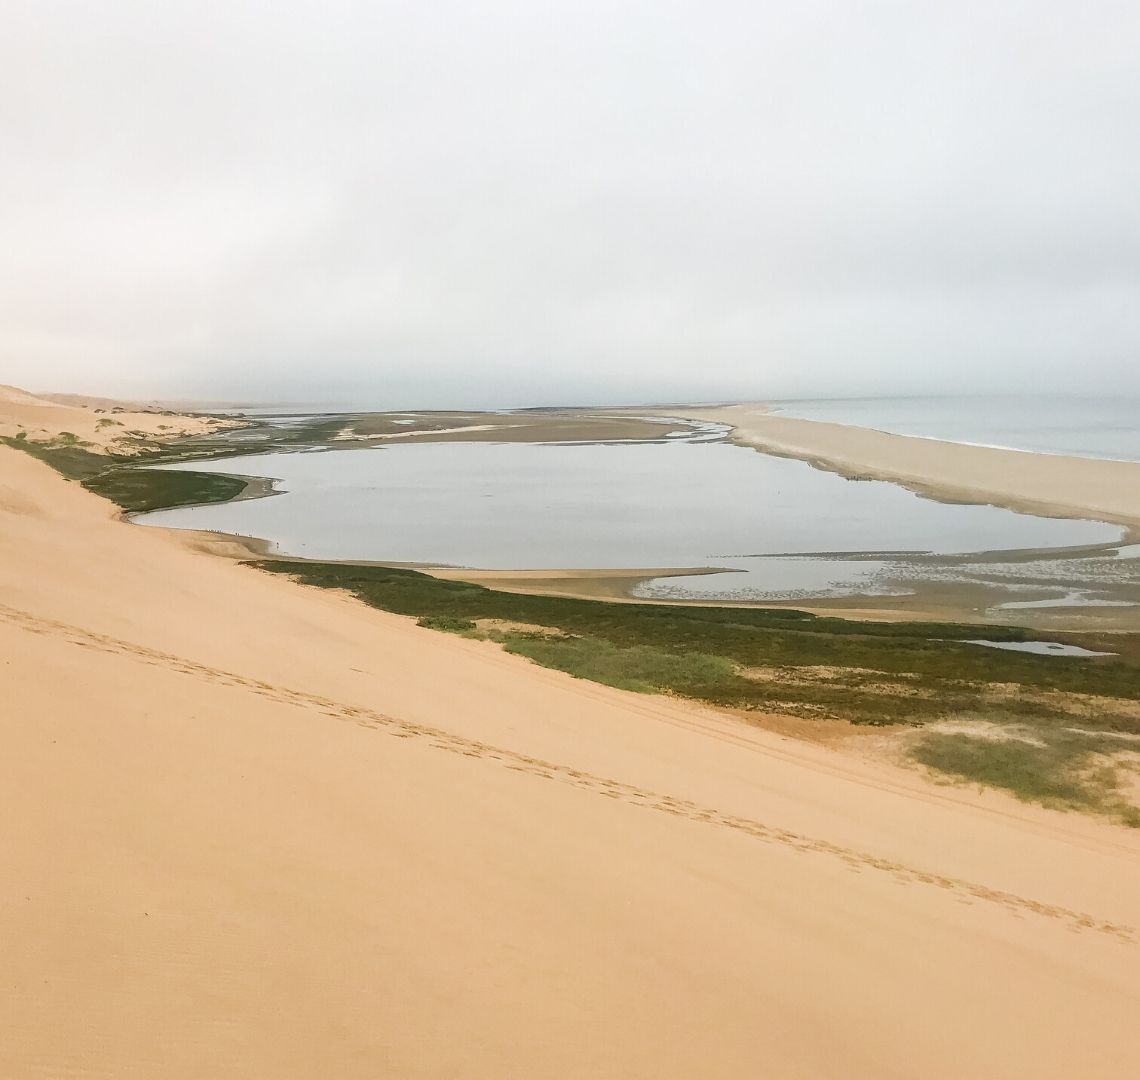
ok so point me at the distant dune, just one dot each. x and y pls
(100, 425)
(86, 401)
(257, 830)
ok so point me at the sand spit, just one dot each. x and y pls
(1045, 484)
(538, 426)
(257, 830)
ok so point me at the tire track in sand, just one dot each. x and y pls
(610, 788)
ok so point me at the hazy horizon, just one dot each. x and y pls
(370, 401)
(414, 206)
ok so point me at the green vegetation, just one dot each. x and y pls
(140, 490)
(636, 667)
(124, 480)
(452, 624)
(125, 484)
(74, 462)
(1051, 719)
(1057, 767)
(1047, 729)
(870, 672)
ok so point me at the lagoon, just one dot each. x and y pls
(786, 529)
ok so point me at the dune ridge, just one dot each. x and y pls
(100, 425)
(263, 830)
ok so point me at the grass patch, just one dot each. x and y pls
(1033, 773)
(73, 462)
(796, 663)
(887, 672)
(121, 480)
(140, 490)
(1055, 769)
(642, 668)
(451, 624)
(117, 476)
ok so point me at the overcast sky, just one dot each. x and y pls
(440, 203)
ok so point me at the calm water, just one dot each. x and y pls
(1085, 427)
(676, 503)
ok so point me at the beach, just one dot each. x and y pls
(569, 542)
(1046, 484)
(265, 830)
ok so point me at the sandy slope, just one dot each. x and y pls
(257, 831)
(41, 418)
(1035, 483)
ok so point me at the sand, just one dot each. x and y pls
(538, 425)
(257, 830)
(100, 425)
(1048, 484)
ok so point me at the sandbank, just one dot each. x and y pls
(1051, 485)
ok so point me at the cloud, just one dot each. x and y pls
(514, 203)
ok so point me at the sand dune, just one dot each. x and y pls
(255, 830)
(1034, 483)
(100, 424)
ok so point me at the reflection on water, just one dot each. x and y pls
(668, 503)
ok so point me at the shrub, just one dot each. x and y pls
(452, 624)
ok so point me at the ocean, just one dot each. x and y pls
(1097, 427)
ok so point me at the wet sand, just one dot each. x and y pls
(931, 602)
(965, 602)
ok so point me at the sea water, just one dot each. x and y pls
(1078, 426)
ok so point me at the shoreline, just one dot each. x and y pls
(857, 453)
(961, 602)
(958, 601)
(834, 448)
(256, 487)
(1044, 485)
